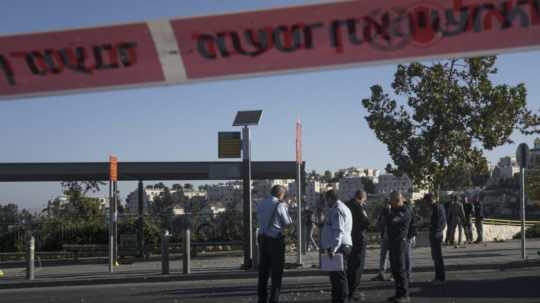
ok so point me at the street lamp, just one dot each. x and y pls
(246, 119)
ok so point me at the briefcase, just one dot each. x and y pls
(332, 264)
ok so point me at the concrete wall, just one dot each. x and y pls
(492, 232)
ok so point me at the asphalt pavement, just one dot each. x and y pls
(484, 256)
(487, 286)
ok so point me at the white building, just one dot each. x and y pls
(505, 169)
(312, 192)
(389, 183)
(370, 173)
(348, 186)
(190, 194)
(150, 194)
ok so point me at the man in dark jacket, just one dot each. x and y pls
(398, 224)
(479, 217)
(411, 240)
(438, 223)
(381, 225)
(467, 225)
(456, 217)
(357, 259)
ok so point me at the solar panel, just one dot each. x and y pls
(251, 117)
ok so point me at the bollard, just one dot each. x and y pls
(164, 252)
(187, 251)
(30, 268)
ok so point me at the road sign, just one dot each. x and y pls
(523, 155)
(336, 34)
(229, 145)
(113, 168)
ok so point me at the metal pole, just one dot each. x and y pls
(30, 268)
(115, 222)
(140, 223)
(247, 212)
(255, 250)
(187, 250)
(299, 213)
(164, 253)
(111, 228)
(523, 218)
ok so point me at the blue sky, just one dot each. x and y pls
(180, 123)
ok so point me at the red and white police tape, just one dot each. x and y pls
(283, 40)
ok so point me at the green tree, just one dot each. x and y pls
(9, 215)
(533, 185)
(162, 208)
(448, 113)
(188, 186)
(327, 177)
(368, 184)
(177, 187)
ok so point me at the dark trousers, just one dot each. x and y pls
(397, 264)
(451, 234)
(338, 279)
(355, 268)
(468, 231)
(436, 255)
(272, 261)
(479, 230)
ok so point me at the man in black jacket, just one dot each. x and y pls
(479, 216)
(411, 240)
(438, 223)
(467, 225)
(398, 230)
(357, 259)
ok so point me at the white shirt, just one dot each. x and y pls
(281, 219)
(337, 228)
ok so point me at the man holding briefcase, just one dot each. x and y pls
(336, 239)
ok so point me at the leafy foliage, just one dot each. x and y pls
(449, 112)
(533, 185)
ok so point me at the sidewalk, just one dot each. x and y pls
(485, 256)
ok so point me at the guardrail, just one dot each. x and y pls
(76, 251)
(508, 222)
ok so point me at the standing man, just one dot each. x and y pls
(456, 215)
(467, 225)
(479, 217)
(437, 225)
(411, 241)
(398, 224)
(336, 238)
(357, 259)
(273, 217)
(381, 224)
(310, 228)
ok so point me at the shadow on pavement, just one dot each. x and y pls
(512, 288)
(234, 291)
(473, 255)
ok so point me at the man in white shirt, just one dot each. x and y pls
(336, 238)
(273, 217)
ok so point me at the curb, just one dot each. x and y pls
(234, 275)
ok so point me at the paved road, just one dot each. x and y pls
(455, 258)
(486, 286)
